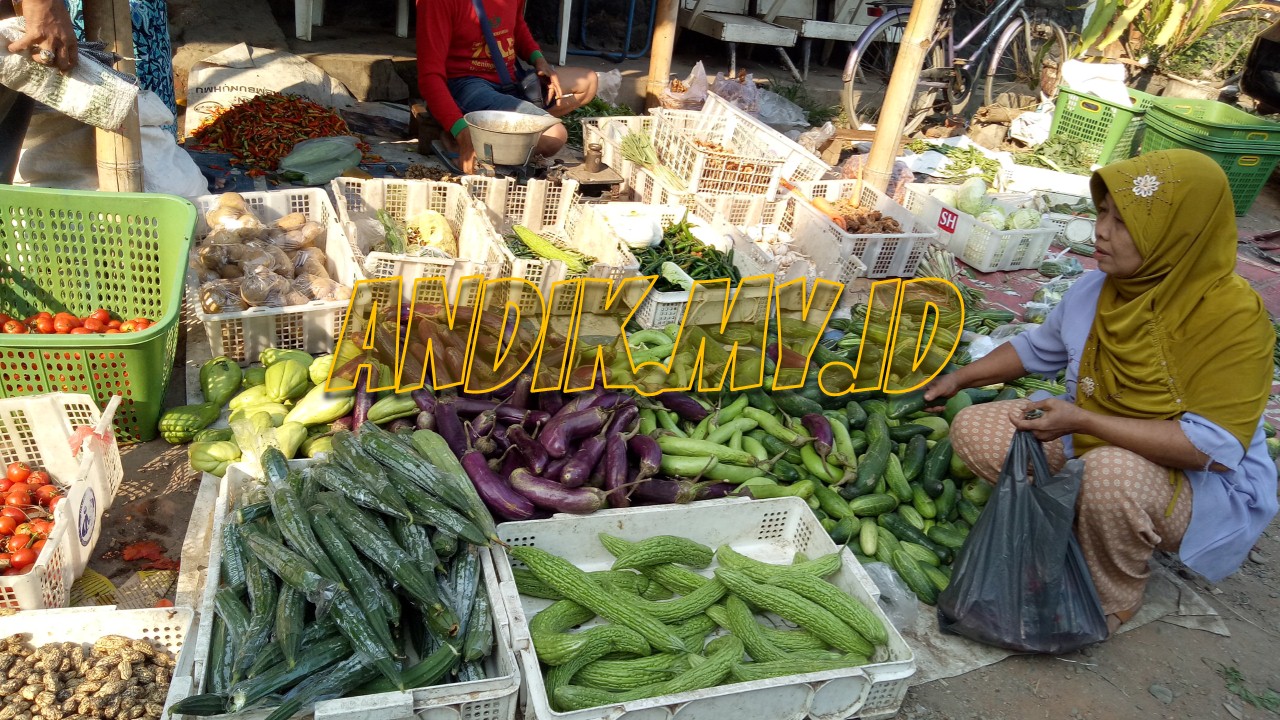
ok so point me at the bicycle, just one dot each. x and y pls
(1025, 58)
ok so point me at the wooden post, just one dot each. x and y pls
(119, 152)
(664, 41)
(901, 91)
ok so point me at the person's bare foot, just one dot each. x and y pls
(1115, 620)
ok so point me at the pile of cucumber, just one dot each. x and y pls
(357, 575)
(654, 644)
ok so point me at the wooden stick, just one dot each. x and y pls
(664, 40)
(901, 90)
(119, 152)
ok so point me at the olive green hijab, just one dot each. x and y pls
(1185, 333)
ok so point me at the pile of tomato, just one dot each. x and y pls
(26, 517)
(64, 323)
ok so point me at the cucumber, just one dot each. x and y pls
(871, 466)
(959, 470)
(903, 530)
(200, 705)
(867, 538)
(955, 404)
(831, 502)
(856, 415)
(902, 406)
(896, 480)
(845, 530)
(795, 404)
(968, 511)
(760, 400)
(785, 472)
(936, 463)
(915, 578)
(1006, 393)
(946, 537)
(913, 459)
(936, 576)
(912, 516)
(924, 504)
(977, 492)
(920, 553)
(875, 406)
(946, 501)
(903, 433)
(873, 505)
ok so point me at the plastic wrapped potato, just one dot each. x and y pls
(292, 221)
(313, 233)
(291, 241)
(263, 289)
(232, 213)
(310, 261)
(280, 262)
(203, 274)
(221, 296)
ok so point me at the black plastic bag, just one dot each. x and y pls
(1021, 582)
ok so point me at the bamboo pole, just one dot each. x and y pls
(901, 90)
(664, 41)
(119, 152)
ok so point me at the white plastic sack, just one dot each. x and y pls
(1106, 80)
(59, 152)
(91, 92)
(778, 111)
(1032, 128)
(608, 84)
(241, 72)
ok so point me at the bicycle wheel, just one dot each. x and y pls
(1026, 64)
(864, 95)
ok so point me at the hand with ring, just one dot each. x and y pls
(49, 37)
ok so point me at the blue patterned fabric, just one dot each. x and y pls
(151, 47)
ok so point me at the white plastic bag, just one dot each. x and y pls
(743, 95)
(1032, 128)
(896, 599)
(688, 94)
(59, 152)
(778, 111)
(608, 84)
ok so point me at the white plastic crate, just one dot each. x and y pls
(313, 327)
(769, 530)
(1025, 178)
(977, 243)
(1081, 227)
(884, 254)
(358, 202)
(798, 164)
(493, 698)
(36, 430)
(553, 211)
(169, 628)
(743, 164)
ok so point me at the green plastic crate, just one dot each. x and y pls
(75, 251)
(1247, 169)
(1114, 127)
(1212, 120)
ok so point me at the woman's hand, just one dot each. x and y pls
(941, 389)
(50, 38)
(1058, 418)
(544, 69)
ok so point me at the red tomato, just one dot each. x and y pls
(17, 472)
(38, 477)
(17, 514)
(93, 324)
(79, 331)
(17, 542)
(53, 503)
(4, 318)
(44, 325)
(42, 527)
(14, 327)
(43, 314)
(24, 558)
(27, 528)
(5, 484)
(19, 499)
(20, 487)
(128, 326)
(113, 324)
(39, 546)
(142, 323)
(7, 525)
(101, 315)
(62, 326)
(46, 493)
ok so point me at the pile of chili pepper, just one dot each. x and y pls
(261, 131)
(699, 260)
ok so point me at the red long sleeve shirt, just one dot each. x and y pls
(451, 44)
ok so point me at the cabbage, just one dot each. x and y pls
(1024, 219)
(994, 217)
(971, 197)
(946, 196)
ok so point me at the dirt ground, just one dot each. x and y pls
(1156, 671)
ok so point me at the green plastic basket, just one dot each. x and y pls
(76, 251)
(1212, 120)
(1247, 169)
(1089, 118)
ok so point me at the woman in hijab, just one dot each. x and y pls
(1168, 358)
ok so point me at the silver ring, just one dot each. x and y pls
(45, 56)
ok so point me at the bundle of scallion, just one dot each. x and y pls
(940, 263)
(637, 148)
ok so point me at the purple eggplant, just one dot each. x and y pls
(550, 401)
(555, 467)
(715, 490)
(608, 400)
(425, 421)
(561, 430)
(450, 426)
(625, 419)
(471, 405)
(583, 461)
(425, 399)
(661, 491)
(579, 401)
(519, 397)
(483, 424)
(364, 399)
(503, 393)
(501, 498)
(342, 423)
(648, 453)
(507, 465)
(499, 436)
(535, 456)
(535, 420)
(683, 405)
(554, 496)
(615, 472)
(820, 428)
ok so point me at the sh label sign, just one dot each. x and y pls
(88, 517)
(947, 220)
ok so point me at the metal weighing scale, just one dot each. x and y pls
(504, 143)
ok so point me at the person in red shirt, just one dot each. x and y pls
(457, 74)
